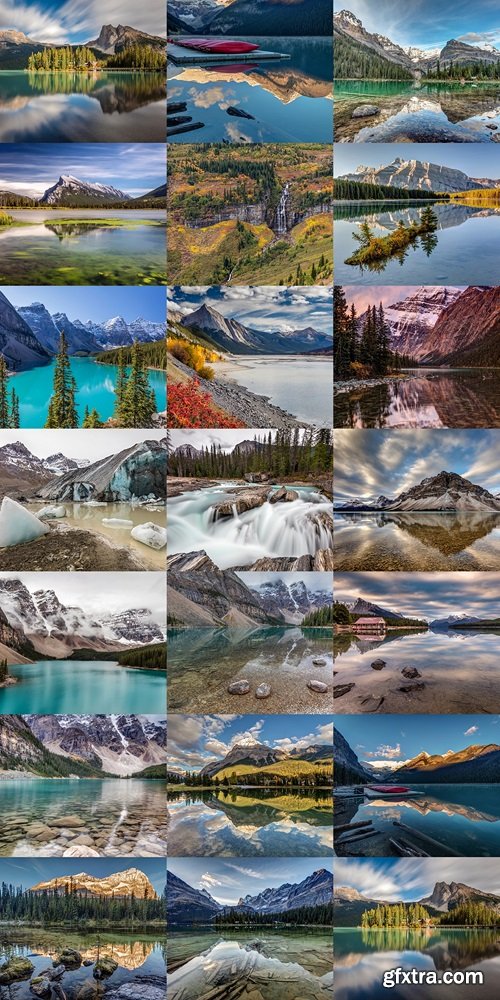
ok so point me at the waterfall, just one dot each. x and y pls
(281, 219)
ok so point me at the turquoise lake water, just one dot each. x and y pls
(95, 383)
(60, 686)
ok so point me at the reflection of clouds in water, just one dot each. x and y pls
(235, 132)
(212, 95)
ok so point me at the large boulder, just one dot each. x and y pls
(15, 969)
(104, 967)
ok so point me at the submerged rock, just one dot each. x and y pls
(239, 687)
(14, 969)
(104, 967)
(410, 672)
(263, 691)
(319, 661)
(365, 111)
(341, 689)
(408, 688)
(317, 686)
(69, 956)
(378, 664)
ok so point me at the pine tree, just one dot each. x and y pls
(138, 401)
(92, 419)
(14, 410)
(62, 405)
(4, 403)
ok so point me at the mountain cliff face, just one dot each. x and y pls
(349, 26)
(114, 39)
(446, 491)
(412, 320)
(362, 607)
(447, 895)
(315, 890)
(68, 190)
(281, 17)
(48, 330)
(136, 472)
(473, 764)
(245, 753)
(291, 600)
(184, 903)
(419, 174)
(120, 744)
(199, 593)
(468, 330)
(344, 756)
(232, 336)
(118, 884)
(19, 344)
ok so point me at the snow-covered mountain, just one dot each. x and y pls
(118, 884)
(121, 744)
(250, 751)
(293, 600)
(444, 491)
(233, 336)
(411, 319)
(185, 903)
(19, 343)
(419, 174)
(314, 890)
(446, 623)
(474, 763)
(68, 190)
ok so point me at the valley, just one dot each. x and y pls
(263, 218)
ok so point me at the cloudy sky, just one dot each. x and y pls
(269, 310)
(101, 305)
(79, 444)
(372, 295)
(194, 740)
(313, 581)
(392, 879)
(472, 160)
(77, 21)
(132, 168)
(27, 872)
(98, 594)
(370, 463)
(423, 595)
(429, 24)
(228, 880)
(390, 740)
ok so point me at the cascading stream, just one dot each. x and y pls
(281, 216)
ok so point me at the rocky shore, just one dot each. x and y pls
(66, 548)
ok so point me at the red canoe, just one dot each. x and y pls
(217, 45)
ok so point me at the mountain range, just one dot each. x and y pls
(421, 175)
(86, 745)
(345, 757)
(237, 338)
(251, 17)
(251, 753)
(350, 904)
(444, 491)
(29, 335)
(186, 904)
(16, 46)
(414, 60)
(131, 882)
(199, 593)
(40, 620)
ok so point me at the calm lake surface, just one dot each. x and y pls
(121, 816)
(466, 251)
(93, 247)
(459, 668)
(285, 965)
(420, 541)
(362, 956)
(279, 529)
(463, 818)
(89, 517)
(462, 397)
(254, 822)
(203, 662)
(67, 686)
(96, 388)
(82, 107)
(301, 386)
(290, 99)
(417, 111)
(140, 956)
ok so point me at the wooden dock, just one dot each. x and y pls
(189, 57)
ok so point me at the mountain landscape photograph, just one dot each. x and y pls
(417, 357)
(101, 510)
(70, 75)
(112, 365)
(430, 76)
(431, 218)
(264, 930)
(76, 214)
(439, 915)
(282, 91)
(412, 785)
(75, 933)
(234, 354)
(69, 641)
(258, 216)
(416, 643)
(245, 786)
(250, 17)
(444, 510)
(243, 637)
(251, 501)
(81, 786)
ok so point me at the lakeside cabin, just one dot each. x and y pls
(369, 626)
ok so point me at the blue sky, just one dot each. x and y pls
(429, 24)
(132, 168)
(194, 740)
(29, 871)
(390, 740)
(370, 463)
(96, 304)
(474, 159)
(77, 21)
(423, 595)
(228, 880)
(266, 309)
(392, 879)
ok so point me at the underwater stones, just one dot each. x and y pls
(410, 672)
(239, 687)
(340, 689)
(104, 967)
(378, 664)
(14, 969)
(319, 661)
(263, 691)
(365, 111)
(69, 957)
(318, 686)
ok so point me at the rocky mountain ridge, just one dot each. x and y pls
(444, 491)
(419, 174)
(69, 189)
(237, 338)
(344, 755)
(475, 763)
(119, 884)
(119, 744)
(255, 754)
